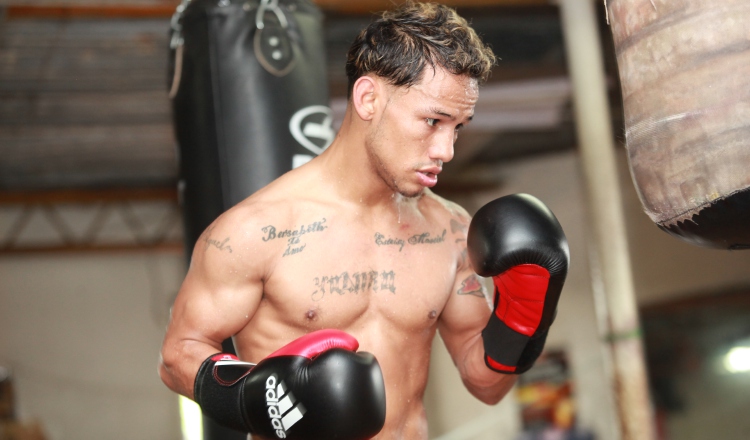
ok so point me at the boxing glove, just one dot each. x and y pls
(316, 387)
(518, 242)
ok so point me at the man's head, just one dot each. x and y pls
(414, 76)
(400, 44)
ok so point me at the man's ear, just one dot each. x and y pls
(364, 94)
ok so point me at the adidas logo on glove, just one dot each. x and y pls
(281, 409)
(267, 398)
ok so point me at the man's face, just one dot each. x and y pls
(415, 128)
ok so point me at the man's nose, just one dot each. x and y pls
(442, 149)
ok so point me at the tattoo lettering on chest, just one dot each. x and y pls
(293, 237)
(381, 240)
(426, 238)
(417, 239)
(354, 282)
(212, 242)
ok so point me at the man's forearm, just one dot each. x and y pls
(179, 363)
(483, 383)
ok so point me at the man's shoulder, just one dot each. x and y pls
(452, 216)
(284, 201)
(441, 206)
(239, 232)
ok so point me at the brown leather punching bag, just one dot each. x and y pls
(685, 72)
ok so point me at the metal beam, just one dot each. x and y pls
(127, 219)
(369, 6)
(57, 11)
(167, 8)
(86, 196)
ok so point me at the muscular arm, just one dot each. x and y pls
(218, 297)
(461, 323)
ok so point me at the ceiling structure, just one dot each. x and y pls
(83, 99)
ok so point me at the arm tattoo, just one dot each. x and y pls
(471, 286)
(218, 244)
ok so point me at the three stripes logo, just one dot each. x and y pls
(281, 406)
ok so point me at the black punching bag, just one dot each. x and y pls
(249, 99)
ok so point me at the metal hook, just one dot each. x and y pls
(270, 6)
(176, 25)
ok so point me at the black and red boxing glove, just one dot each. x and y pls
(518, 242)
(316, 387)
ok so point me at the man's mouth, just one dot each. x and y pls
(428, 176)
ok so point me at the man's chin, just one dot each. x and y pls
(412, 194)
(408, 190)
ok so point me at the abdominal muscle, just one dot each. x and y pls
(403, 356)
(405, 382)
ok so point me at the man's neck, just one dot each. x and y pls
(346, 164)
(348, 177)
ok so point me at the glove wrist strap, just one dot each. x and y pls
(507, 351)
(220, 396)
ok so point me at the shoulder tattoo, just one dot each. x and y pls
(220, 244)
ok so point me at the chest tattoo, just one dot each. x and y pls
(381, 240)
(416, 239)
(354, 282)
(293, 237)
(426, 238)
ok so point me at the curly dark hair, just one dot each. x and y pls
(399, 44)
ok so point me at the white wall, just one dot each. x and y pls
(81, 334)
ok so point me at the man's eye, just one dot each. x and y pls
(432, 122)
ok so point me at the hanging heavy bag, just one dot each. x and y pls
(249, 93)
(685, 72)
(249, 96)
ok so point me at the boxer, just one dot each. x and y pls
(335, 278)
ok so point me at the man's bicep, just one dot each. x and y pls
(222, 289)
(219, 295)
(466, 312)
(208, 309)
(211, 313)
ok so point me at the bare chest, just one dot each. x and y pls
(340, 274)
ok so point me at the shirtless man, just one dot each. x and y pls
(355, 241)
